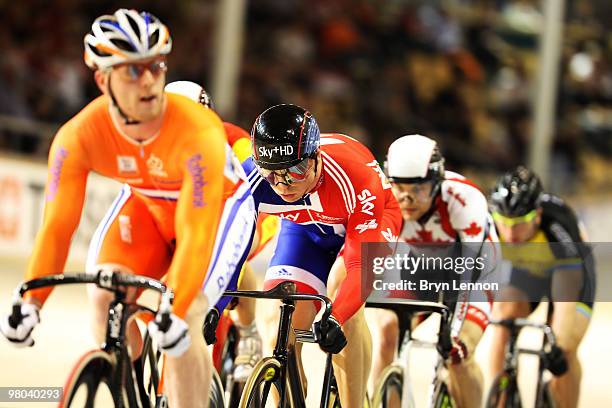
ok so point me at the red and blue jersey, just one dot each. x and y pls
(352, 204)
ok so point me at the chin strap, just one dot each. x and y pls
(127, 120)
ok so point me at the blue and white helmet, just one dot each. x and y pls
(125, 36)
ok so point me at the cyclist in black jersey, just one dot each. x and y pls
(550, 258)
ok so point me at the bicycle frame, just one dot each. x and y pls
(513, 352)
(404, 310)
(286, 337)
(115, 344)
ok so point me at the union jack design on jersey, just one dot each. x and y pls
(352, 204)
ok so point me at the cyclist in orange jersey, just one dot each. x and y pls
(185, 211)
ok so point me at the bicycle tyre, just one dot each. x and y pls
(217, 398)
(442, 397)
(266, 374)
(92, 370)
(504, 386)
(392, 378)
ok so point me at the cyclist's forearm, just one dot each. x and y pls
(48, 257)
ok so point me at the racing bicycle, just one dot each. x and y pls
(220, 331)
(394, 385)
(282, 371)
(504, 391)
(109, 372)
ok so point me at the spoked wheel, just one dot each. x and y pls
(441, 397)
(217, 398)
(263, 383)
(504, 392)
(388, 392)
(88, 385)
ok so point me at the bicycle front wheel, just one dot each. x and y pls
(388, 391)
(88, 385)
(504, 392)
(264, 381)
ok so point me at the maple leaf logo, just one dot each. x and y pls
(473, 230)
(425, 235)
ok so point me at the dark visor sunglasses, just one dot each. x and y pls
(293, 174)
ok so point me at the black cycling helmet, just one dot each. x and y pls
(517, 192)
(283, 136)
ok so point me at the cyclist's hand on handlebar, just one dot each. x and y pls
(457, 353)
(175, 339)
(332, 339)
(556, 361)
(209, 328)
(17, 328)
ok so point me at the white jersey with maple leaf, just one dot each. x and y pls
(460, 213)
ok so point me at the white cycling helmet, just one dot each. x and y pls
(414, 159)
(125, 36)
(192, 91)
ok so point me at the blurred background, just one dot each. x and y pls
(462, 71)
(496, 82)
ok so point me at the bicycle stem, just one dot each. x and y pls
(282, 337)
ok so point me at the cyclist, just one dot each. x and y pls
(249, 344)
(438, 206)
(555, 257)
(332, 196)
(185, 211)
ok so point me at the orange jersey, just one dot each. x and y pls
(183, 175)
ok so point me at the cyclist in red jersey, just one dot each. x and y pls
(332, 197)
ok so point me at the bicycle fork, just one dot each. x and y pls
(281, 353)
(123, 376)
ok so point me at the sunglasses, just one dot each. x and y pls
(410, 192)
(134, 71)
(294, 174)
(512, 221)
